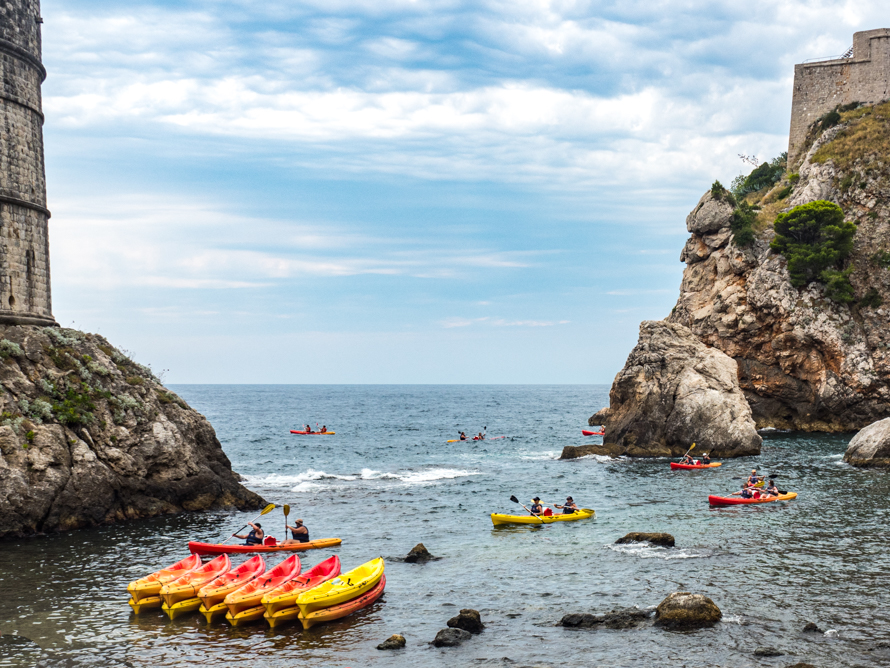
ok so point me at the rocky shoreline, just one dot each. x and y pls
(88, 436)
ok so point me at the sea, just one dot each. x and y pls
(388, 480)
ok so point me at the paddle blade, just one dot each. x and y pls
(286, 510)
(514, 499)
(692, 447)
(268, 509)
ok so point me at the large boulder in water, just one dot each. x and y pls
(870, 446)
(469, 620)
(419, 555)
(682, 611)
(673, 391)
(661, 539)
(451, 637)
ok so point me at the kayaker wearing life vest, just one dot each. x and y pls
(299, 532)
(569, 506)
(254, 537)
(463, 436)
(771, 489)
(480, 437)
(537, 508)
(753, 479)
(745, 492)
(686, 459)
(324, 429)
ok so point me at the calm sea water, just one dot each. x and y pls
(387, 480)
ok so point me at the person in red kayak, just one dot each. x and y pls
(324, 429)
(745, 492)
(254, 537)
(706, 458)
(686, 459)
(299, 532)
(771, 489)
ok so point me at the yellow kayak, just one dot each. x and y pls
(343, 588)
(580, 514)
(182, 607)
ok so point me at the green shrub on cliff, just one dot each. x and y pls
(742, 225)
(762, 177)
(815, 239)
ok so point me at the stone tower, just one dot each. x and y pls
(24, 242)
(860, 75)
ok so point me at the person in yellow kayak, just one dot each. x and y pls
(254, 536)
(324, 429)
(771, 489)
(299, 532)
(463, 436)
(569, 506)
(537, 507)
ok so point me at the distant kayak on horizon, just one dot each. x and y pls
(313, 433)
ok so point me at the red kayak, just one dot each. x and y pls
(587, 432)
(713, 465)
(196, 547)
(312, 433)
(738, 501)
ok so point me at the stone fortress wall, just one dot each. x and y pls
(821, 86)
(25, 295)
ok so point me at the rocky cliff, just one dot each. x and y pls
(805, 362)
(88, 436)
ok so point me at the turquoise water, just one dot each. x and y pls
(387, 480)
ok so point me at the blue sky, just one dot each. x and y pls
(376, 191)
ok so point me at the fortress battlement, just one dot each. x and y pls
(863, 75)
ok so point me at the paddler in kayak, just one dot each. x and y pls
(463, 436)
(308, 429)
(753, 479)
(771, 489)
(746, 492)
(537, 507)
(479, 437)
(569, 506)
(686, 460)
(324, 429)
(706, 459)
(254, 537)
(299, 532)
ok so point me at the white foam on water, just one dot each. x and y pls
(737, 619)
(277, 480)
(649, 551)
(831, 633)
(307, 487)
(312, 480)
(834, 456)
(550, 454)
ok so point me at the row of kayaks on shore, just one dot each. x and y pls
(250, 592)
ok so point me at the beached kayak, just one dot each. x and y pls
(587, 432)
(187, 586)
(312, 433)
(580, 514)
(343, 588)
(150, 585)
(285, 596)
(213, 593)
(218, 548)
(250, 595)
(739, 501)
(712, 465)
(333, 612)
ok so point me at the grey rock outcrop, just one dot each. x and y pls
(660, 539)
(871, 446)
(88, 436)
(419, 554)
(578, 451)
(673, 391)
(616, 619)
(451, 637)
(469, 620)
(683, 611)
(395, 641)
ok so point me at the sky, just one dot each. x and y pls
(391, 191)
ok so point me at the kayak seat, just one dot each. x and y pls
(270, 540)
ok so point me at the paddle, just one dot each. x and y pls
(286, 513)
(515, 500)
(266, 510)
(688, 451)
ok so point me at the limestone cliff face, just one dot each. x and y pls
(805, 362)
(87, 436)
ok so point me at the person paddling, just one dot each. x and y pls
(706, 459)
(479, 437)
(299, 532)
(753, 479)
(686, 459)
(324, 429)
(463, 436)
(254, 537)
(569, 506)
(537, 507)
(745, 492)
(308, 429)
(771, 489)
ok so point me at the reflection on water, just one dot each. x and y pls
(387, 481)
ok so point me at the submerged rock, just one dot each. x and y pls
(662, 539)
(682, 611)
(617, 619)
(418, 554)
(871, 446)
(812, 628)
(673, 391)
(92, 437)
(451, 637)
(768, 651)
(395, 641)
(469, 620)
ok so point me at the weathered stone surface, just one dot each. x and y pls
(576, 451)
(673, 391)
(768, 651)
(871, 446)
(805, 362)
(395, 641)
(811, 627)
(682, 610)
(451, 637)
(616, 619)
(709, 215)
(418, 554)
(662, 539)
(469, 620)
(91, 437)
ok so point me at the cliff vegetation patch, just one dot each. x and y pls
(815, 239)
(866, 137)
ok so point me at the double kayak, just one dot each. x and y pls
(196, 547)
(580, 514)
(587, 432)
(475, 438)
(312, 433)
(739, 501)
(713, 465)
(342, 589)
